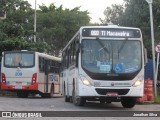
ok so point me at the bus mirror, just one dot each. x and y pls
(145, 56)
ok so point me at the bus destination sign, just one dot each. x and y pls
(108, 32)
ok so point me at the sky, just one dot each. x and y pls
(94, 7)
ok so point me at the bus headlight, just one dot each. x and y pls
(137, 83)
(85, 81)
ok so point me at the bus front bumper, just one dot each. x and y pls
(111, 91)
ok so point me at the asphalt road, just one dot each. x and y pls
(38, 104)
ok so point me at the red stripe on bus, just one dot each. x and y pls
(48, 83)
(18, 77)
(24, 87)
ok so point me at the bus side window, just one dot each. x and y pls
(50, 66)
(77, 54)
(46, 66)
(41, 64)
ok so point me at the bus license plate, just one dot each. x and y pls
(18, 86)
(112, 94)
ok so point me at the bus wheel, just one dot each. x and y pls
(45, 95)
(52, 90)
(67, 99)
(79, 101)
(22, 94)
(128, 102)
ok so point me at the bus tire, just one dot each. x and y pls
(22, 94)
(78, 101)
(71, 99)
(67, 99)
(52, 90)
(128, 102)
(46, 95)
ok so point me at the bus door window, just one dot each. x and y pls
(41, 64)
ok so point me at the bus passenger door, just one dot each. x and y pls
(46, 69)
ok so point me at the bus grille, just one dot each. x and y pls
(105, 91)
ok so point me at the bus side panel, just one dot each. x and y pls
(53, 78)
(72, 79)
(65, 83)
(40, 81)
(41, 77)
(61, 83)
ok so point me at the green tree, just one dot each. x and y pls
(113, 14)
(16, 30)
(56, 26)
(135, 13)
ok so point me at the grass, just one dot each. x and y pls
(157, 99)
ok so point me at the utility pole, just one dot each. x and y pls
(153, 48)
(35, 21)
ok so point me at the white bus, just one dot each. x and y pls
(27, 72)
(103, 63)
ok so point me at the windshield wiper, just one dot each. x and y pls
(121, 47)
(103, 46)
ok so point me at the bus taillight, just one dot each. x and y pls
(34, 78)
(3, 78)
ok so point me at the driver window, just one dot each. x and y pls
(129, 58)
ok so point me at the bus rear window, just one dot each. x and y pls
(19, 60)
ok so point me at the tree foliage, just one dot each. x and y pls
(55, 26)
(135, 13)
(113, 14)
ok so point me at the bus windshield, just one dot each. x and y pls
(108, 56)
(19, 59)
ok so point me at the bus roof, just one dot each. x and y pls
(40, 54)
(99, 27)
(49, 56)
(109, 26)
